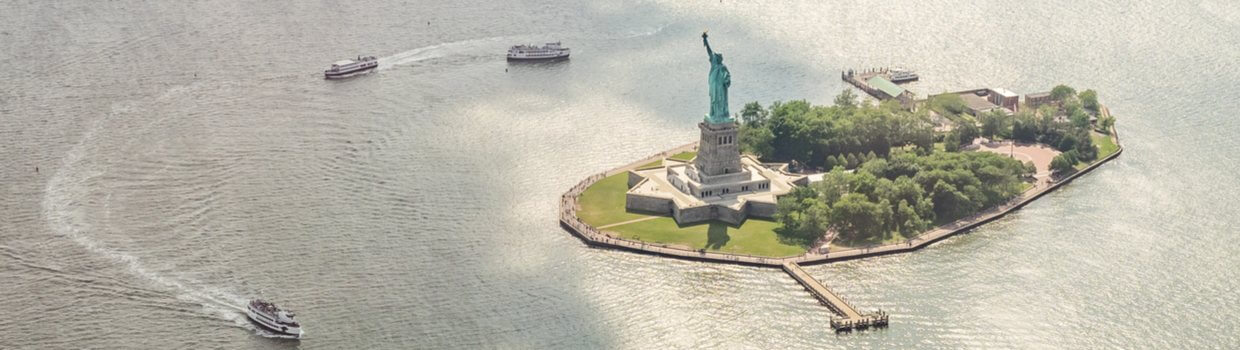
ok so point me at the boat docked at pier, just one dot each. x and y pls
(272, 318)
(550, 51)
(348, 68)
(903, 76)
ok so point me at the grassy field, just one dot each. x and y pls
(1105, 145)
(603, 203)
(655, 164)
(685, 156)
(754, 237)
(1105, 148)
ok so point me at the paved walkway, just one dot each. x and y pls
(629, 222)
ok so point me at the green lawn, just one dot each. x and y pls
(1105, 145)
(603, 203)
(754, 237)
(685, 156)
(655, 164)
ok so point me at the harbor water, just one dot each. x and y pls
(165, 162)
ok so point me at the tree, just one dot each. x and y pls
(802, 215)
(1046, 114)
(1072, 107)
(1060, 164)
(840, 161)
(1085, 149)
(1106, 123)
(993, 123)
(851, 161)
(846, 99)
(1062, 92)
(1071, 157)
(949, 202)
(1080, 119)
(755, 139)
(829, 163)
(857, 218)
(877, 167)
(1089, 100)
(1067, 143)
(968, 132)
(1024, 127)
(753, 114)
(906, 221)
(951, 143)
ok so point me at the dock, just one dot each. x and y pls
(881, 84)
(848, 316)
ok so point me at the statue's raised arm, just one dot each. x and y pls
(709, 54)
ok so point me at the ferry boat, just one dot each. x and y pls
(272, 318)
(550, 51)
(348, 68)
(901, 76)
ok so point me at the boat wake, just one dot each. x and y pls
(647, 33)
(64, 198)
(266, 334)
(464, 47)
(490, 46)
(481, 47)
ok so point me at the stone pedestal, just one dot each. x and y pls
(718, 153)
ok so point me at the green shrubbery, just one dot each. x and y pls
(902, 195)
(809, 135)
(900, 185)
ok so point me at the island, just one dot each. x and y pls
(796, 183)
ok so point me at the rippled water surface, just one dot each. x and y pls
(190, 157)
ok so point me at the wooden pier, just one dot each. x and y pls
(849, 318)
(886, 89)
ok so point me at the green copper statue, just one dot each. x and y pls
(720, 80)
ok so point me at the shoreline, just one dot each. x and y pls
(596, 238)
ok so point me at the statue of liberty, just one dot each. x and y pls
(720, 80)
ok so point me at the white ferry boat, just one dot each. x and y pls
(901, 76)
(273, 319)
(348, 68)
(550, 51)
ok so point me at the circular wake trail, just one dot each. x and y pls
(63, 209)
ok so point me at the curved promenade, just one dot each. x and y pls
(596, 237)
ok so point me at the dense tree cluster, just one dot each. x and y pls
(886, 178)
(904, 194)
(845, 133)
